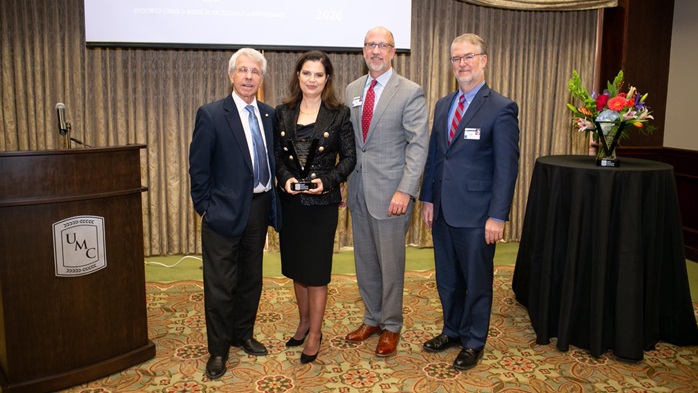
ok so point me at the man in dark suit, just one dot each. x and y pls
(467, 190)
(231, 163)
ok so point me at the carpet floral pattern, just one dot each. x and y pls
(512, 361)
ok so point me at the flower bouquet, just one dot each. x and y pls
(609, 115)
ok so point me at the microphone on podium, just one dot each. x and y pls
(63, 127)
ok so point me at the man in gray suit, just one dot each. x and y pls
(390, 122)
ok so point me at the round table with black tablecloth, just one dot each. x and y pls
(601, 263)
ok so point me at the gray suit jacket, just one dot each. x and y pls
(393, 156)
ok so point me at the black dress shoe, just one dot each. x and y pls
(215, 367)
(292, 342)
(251, 347)
(440, 342)
(467, 358)
(309, 358)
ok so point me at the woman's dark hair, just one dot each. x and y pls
(329, 98)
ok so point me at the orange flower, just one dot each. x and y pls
(616, 103)
(638, 124)
(583, 110)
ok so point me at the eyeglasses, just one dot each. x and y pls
(380, 45)
(468, 58)
(245, 70)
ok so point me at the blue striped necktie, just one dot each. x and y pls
(261, 166)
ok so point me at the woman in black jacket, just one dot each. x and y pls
(315, 152)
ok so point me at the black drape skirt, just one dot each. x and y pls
(306, 241)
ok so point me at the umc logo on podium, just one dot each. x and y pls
(78, 246)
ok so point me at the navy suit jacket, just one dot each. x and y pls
(471, 180)
(220, 167)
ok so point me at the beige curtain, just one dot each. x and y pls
(117, 96)
(540, 5)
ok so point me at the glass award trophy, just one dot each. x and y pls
(303, 152)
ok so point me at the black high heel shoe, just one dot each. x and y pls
(292, 342)
(309, 358)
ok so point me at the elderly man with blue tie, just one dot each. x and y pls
(231, 162)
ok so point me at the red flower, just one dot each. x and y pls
(616, 103)
(601, 101)
(630, 103)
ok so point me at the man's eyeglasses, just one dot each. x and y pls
(245, 70)
(468, 58)
(380, 45)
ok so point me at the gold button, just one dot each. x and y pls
(290, 157)
(283, 133)
(285, 148)
(313, 175)
(326, 134)
(322, 148)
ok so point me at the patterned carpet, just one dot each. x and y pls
(512, 361)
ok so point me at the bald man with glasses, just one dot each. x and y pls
(390, 120)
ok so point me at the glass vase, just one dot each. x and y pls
(608, 134)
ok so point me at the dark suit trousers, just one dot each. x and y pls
(233, 278)
(464, 271)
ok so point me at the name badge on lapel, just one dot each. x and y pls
(471, 133)
(356, 101)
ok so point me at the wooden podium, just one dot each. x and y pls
(58, 331)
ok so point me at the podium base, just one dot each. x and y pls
(68, 378)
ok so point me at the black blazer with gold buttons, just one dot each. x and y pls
(335, 134)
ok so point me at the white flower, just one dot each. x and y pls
(629, 115)
(585, 125)
(644, 114)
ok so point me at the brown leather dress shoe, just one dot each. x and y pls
(387, 344)
(363, 332)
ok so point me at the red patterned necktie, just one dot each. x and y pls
(456, 118)
(368, 109)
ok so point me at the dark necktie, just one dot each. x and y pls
(261, 167)
(456, 118)
(367, 114)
